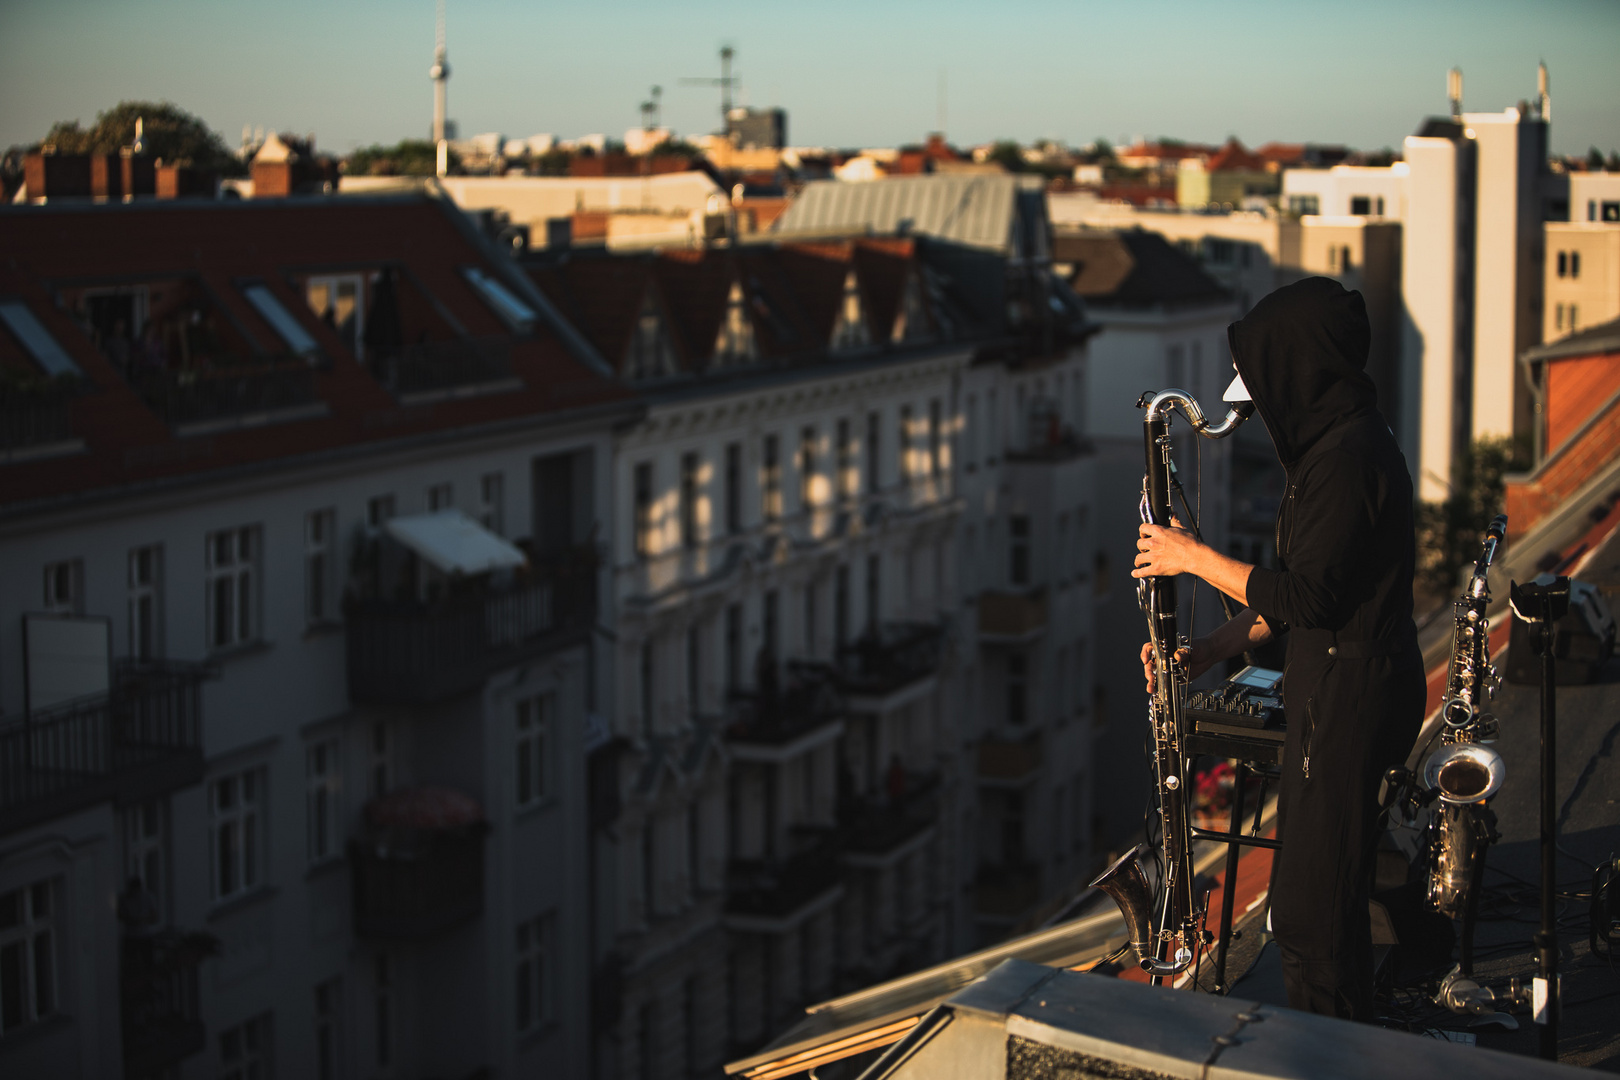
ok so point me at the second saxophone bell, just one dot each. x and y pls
(1465, 773)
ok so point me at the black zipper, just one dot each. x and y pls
(1310, 727)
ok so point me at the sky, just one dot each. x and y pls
(867, 73)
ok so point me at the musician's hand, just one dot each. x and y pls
(1199, 657)
(1163, 551)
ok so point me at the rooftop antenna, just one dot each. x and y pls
(440, 74)
(725, 82)
(1454, 92)
(652, 110)
(941, 118)
(1544, 91)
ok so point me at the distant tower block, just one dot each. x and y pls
(1544, 91)
(1454, 92)
(440, 74)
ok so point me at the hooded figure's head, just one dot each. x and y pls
(1302, 355)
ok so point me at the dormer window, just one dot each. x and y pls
(290, 330)
(650, 355)
(913, 324)
(735, 343)
(502, 300)
(850, 332)
(36, 340)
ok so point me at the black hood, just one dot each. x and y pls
(1302, 352)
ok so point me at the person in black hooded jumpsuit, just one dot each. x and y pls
(1353, 686)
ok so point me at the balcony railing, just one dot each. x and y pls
(420, 652)
(34, 417)
(197, 397)
(158, 1000)
(417, 883)
(436, 366)
(890, 659)
(772, 888)
(139, 740)
(875, 827)
(806, 700)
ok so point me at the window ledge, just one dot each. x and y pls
(238, 652)
(225, 908)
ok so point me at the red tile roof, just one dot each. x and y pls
(54, 250)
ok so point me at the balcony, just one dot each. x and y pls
(774, 725)
(773, 896)
(879, 832)
(1009, 762)
(877, 670)
(1006, 893)
(228, 396)
(141, 739)
(1011, 618)
(34, 416)
(418, 865)
(440, 369)
(158, 1000)
(409, 652)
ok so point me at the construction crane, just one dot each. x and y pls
(725, 82)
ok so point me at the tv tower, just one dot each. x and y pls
(440, 74)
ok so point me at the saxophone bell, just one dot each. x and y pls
(1127, 884)
(1464, 773)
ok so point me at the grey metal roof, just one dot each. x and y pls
(979, 211)
(1593, 341)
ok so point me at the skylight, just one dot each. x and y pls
(517, 314)
(296, 337)
(36, 339)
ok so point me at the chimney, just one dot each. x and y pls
(1454, 92)
(1544, 92)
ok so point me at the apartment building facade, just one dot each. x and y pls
(296, 650)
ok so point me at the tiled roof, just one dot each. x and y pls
(1133, 269)
(1233, 157)
(216, 250)
(978, 211)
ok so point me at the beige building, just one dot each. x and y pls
(1581, 275)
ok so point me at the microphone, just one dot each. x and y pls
(1497, 529)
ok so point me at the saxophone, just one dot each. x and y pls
(1168, 949)
(1465, 773)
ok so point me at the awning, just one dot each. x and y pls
(455, 543)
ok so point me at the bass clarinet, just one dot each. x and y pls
(1165, 929)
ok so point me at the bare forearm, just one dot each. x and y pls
(1225, 573)
(1243, 631)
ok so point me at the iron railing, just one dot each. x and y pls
(889, 658)
(772, 888)
(804, 701)
(878, 825)
(417, 883)
(141, 739)
(421, 652)
(195, 397)
(446, 365)
(159, 1000)
(34, 418)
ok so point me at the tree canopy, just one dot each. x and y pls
(410, 157)
(168, 132)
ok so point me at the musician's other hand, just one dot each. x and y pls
(1164, 551)
(1199, 656)
(1147, 667)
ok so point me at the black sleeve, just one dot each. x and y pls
(1332, 522)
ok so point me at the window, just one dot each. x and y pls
(850, 332)
(1360, 205)
(847, 476)
(694, 847)
(146, 849)
(36, 340)
(1574, 264)
(328, 1029)
(970, 433)
(1574, 317)
(649, 869)
(27, 956)
(733, 488)
(535, 994)
(649, 676)
(993, 415)
(689, 495)
(1611, 211)
(503, 301)
(339, 302)
(1379, 209)
(1018, 550)
(1558, 317)
(146, 602)
(244, 1050)
(807, 469)
(841, 607)
(290, 330)
(644, 509)
(734, 647)
(874, 440)
(323, 790)
(64, 587)
(492, 502)
(650, 354)
(1305, 205)
(382, 988)
(440, 497)
(772, 479)
(236, 828)
(378, 511)
(381, 772)
(1563, 264)
(810, 619)
(694, 669)
(1017, 688)
(533, 750)
(874, 591)
(735, 342)
(771, 631)
(903, 444)
(1218, 251)
(936, 449)
(320, 567)
(233, 598)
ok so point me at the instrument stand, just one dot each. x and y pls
(1541, 603)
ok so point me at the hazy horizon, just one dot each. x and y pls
(354, 72)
